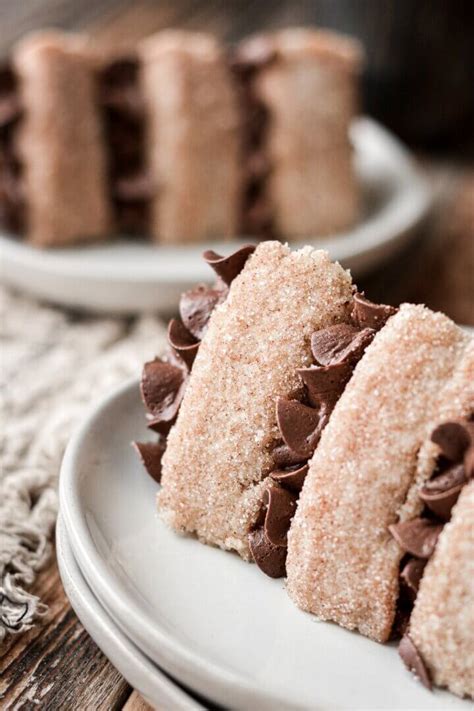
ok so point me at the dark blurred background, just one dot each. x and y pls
(418, 81)
(419, 77)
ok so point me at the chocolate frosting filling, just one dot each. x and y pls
(271, 559)
(411, 574)
(245, 62)
(300, 426)
(227, 268)
(150, 454)
(291, 478)
(454, 439)
(164, 380)
(280, 505)
(162, 389)
(182, 342)
(336, 351)
(123, 113)
(441, 493)
(12, 199)
(367, 314)
(418, 537)
(196, 306)
(342, 343)
(413, 660)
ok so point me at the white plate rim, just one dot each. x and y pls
(206, 678)
(140, 672)
(373, 241)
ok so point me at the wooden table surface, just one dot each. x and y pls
(56, 665)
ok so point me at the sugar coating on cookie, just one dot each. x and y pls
(342, 560)
(193, 144)
(442, 622)
(457, 401)
(311, 93)
(60, 141)
(219, 451)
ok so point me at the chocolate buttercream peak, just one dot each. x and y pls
(441, 493)
(227, 268)
(10, 110)
(157, 424)
(281, 507)
(340, 343)
(417, 536)
(182, 342)
(196, 306)
(291, 478)
(413, 660)
(151, 454)
(283, 456)
(367, 314)
(162, 388)
(134, 188)
(270, 559)
(325, 384)
(300, 426)
(411, 575)
(454, 438)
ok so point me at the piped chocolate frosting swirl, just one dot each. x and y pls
(164, 379)
(12, 200)
(336, 351)
(123, 118)
(453, 469)
(245, 62)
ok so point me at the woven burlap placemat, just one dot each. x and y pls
(53, 366)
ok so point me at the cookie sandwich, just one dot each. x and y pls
(300, 93)
(226, 439)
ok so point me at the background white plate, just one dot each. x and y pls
(208, 618)
(131, 275)
(158, 689)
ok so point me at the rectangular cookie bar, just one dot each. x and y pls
(60, 142)
(218, 453)
(303, 85)
(193, 141)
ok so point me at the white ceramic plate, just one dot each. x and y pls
(208, 618)
(130, 275)
(157, 688)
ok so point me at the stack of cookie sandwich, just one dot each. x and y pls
(182, 139)
(330, 440)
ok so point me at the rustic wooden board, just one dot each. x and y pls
(56, 665)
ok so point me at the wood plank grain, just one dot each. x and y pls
(136, 703)
(56, 664)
